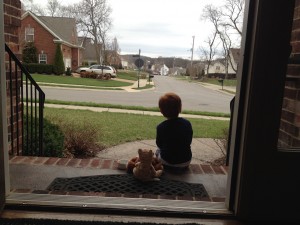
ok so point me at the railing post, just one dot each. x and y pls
(34, 134)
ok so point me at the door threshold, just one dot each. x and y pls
(113, 203)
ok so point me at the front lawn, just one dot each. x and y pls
(53, 79)
(127, 75)
(117, 128)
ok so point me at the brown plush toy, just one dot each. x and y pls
(156, 163)
(144, 170)
(131, 164)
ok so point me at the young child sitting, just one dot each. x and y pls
(174, 135)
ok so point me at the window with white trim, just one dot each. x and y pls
(43, 58)
(29, 34)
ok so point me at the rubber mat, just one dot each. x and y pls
(126, 183)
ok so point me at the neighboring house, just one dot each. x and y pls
(124, 63)
(162, 69)
(113, 58)
(89, 56)
(88, 53)
(234, 54)
(177, 71)
(46, 32)
(217, 68)
(128, 61)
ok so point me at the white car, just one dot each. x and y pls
(99, 69)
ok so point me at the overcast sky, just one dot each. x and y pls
(157, 27)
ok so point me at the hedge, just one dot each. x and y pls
(38, 68)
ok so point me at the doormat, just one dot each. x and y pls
(68, 222)
(125, 184)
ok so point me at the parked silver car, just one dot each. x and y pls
(99, 69)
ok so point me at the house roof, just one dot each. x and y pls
(218, 61)
(235, 54)
(89, 52)
(63, 29)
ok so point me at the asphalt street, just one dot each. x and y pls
(194, 96)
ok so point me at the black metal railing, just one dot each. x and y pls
(26, 100)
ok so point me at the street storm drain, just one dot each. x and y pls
(125, 184)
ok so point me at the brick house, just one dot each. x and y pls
(46, 32)
(88, 53)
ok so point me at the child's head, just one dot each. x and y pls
(170, 105)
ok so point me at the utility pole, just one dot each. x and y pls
(192, 50)
(192, 57)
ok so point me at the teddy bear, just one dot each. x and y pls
(156, 163)
(144, 169)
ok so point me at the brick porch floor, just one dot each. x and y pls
(40, 163)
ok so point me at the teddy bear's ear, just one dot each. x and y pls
(151, 151)
(140, 150)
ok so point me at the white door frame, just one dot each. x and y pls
(4, 159)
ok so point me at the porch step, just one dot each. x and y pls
(99, 163)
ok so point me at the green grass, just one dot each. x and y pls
(88, 87)
(118, 128)
(127, 75)
(79, 81)
(152, 109)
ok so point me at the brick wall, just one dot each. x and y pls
(43, 41)
(76, 59)
(12, 23)
(289, 134)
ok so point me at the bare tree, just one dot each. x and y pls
(227, 23)
(93, 18)
(53, 7)
(233, 13)
(212, 14)
(208, 53)
(69, 11)
(35, 8)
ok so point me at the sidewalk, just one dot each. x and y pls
(226, 89)
(102, 109)
(205, 150)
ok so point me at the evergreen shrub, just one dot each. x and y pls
(53, 139)
(58, 66)
(39, 68)
(29, 53)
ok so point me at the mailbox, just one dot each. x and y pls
(221, 82)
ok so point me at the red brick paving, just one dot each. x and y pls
(73, 162)
(95, 163)
(195, 168)
(29, 160)
(62, 161)
(84, 162)
(51, 161)
(40, 160)
(106, 164)
(218, 170)
(207, 169)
